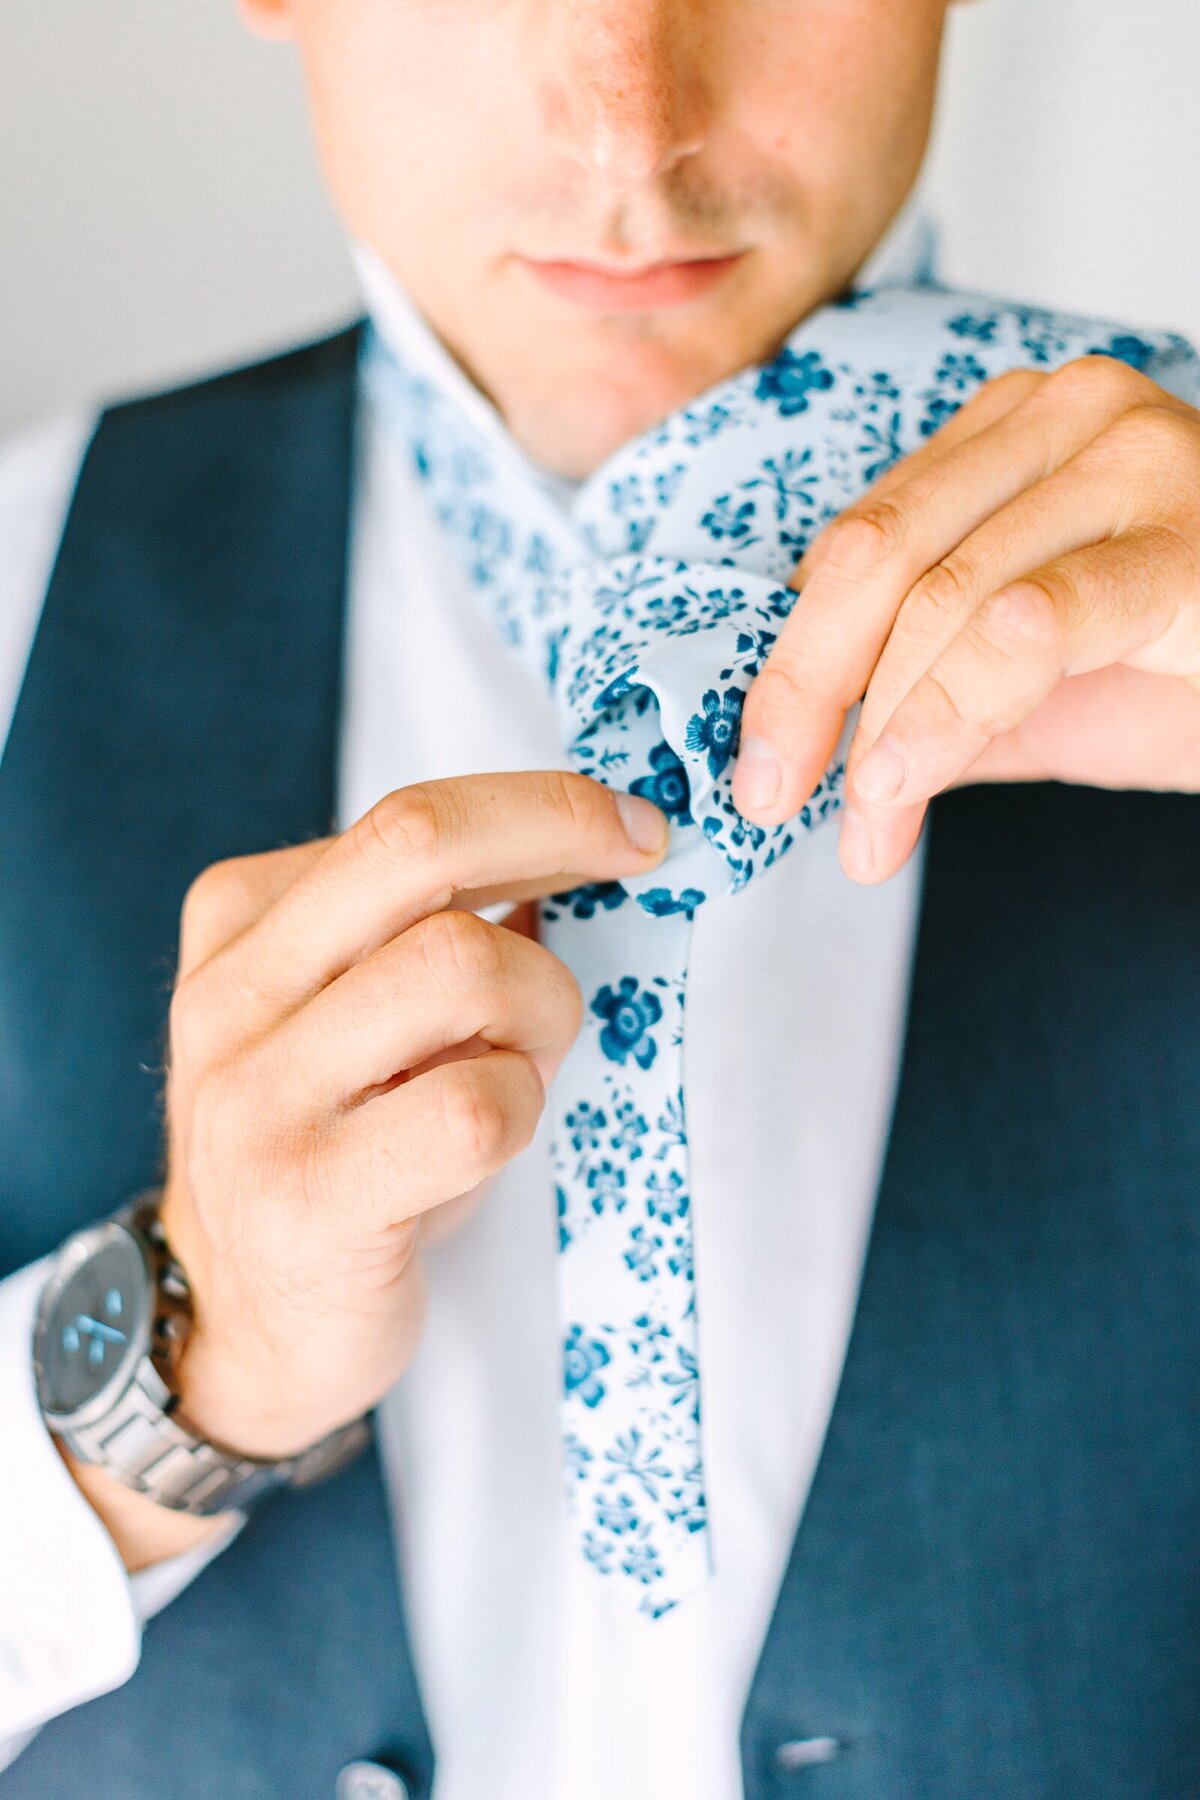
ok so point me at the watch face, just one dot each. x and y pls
(94, 1327)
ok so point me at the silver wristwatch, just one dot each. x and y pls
(112, 1322)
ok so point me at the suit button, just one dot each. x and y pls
(806, 1753)
(370, 1781)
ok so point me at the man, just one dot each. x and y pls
(972, 1573)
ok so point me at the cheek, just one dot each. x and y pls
(844, 90)
(404, 117)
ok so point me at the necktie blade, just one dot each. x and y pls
(631, 1398)
(647, 601)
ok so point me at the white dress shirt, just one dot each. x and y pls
(537, 1684)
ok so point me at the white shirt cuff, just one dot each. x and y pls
(70, 1615)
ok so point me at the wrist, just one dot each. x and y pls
(143, 1532)
(230, 1399)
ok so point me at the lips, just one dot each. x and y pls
(654, 285)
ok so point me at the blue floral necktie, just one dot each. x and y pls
(647, 600)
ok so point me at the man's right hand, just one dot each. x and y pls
(351, 1049)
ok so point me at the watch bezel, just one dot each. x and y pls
(78, 1250)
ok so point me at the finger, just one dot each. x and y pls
(992, 403)
(1099, 605)
(450, 979)
(229, 896)
(410, 855)
(1117, 727)
(874, 555)
(873, 843)
(1097, 494)
(1088, 395)
(435, 1137)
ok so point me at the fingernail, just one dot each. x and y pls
(757, 775)
(855, 844)
(645, 826)
(880, 774)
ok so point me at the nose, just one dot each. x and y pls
(623, 94)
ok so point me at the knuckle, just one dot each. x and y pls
(460, 951)
(570, 1001)
(1026, 615)
(475, 1121)
(1015, 384)
(208, 887)
(559, 987)
(1166, 435)
(950, 691)
(574, 798)
(208, 904)
(188, 1015)
(946, 589)
(860, 540)
(225, 1125)
(1094, 379)
(405, 827)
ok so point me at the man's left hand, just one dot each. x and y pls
(1019, 600)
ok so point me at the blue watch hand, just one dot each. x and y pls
(96, 1328)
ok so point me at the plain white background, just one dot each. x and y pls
(160, 212)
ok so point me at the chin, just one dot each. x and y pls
(571, 420)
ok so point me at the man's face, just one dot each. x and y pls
(605, 206)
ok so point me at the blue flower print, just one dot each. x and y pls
(699, 425)
(790, 379)
(690, 1509)
(716, 728)
(666, 483)
(560, 1203)
(598, 1551)
(641, 1258)
(576, 1456)
(686, 1382)
(968, 326)
(617, 689)
(667, 786)
(681, 1260)
(490, 539)
(725, 519)
(671, 1122)
(584, 901)
(625, 496)
(939, 411)
(607, 1184)
(642, 1462)
(666, 1199)
(539, 556)
(661, 903)
(1041, 337)
(1128, 349)
(640, 1561)
(616, 1513)
(960, 372)
(628, 1017)
(789, 478)
(582, 1357)
(646, 1341)
(587, 1125)
(631, 1127)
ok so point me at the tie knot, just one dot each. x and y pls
(648, 598)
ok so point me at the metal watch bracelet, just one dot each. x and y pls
(146, 1444)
